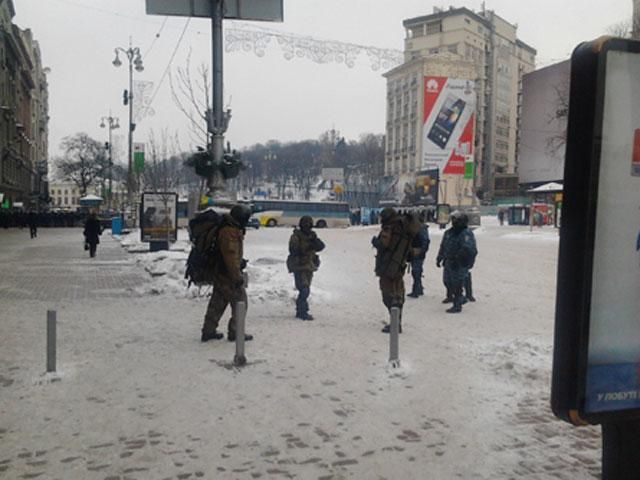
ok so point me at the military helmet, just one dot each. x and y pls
(241, 214)
(387, 214)
(305, 222)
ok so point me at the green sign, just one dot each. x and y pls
(138, 157)
(5, 203)
(468, 169)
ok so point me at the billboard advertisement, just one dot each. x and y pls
(545, 103)
(159, 217)
(613, 361)
(448, 124)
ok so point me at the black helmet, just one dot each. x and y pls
(240, 214)
(387, 214)
(306, 222)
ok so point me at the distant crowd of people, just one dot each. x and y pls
(21, 219)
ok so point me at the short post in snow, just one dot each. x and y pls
(51, 340)
(394, 334)
(240, 313)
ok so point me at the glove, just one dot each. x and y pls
(438, 263)
(243, 263)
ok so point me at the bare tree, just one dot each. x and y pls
(192, 97)
(621, 29)
(84, 161)
(558, 120)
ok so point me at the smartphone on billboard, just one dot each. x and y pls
(446, 121)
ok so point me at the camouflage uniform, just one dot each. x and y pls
(393, 245)
(228, 283)
(303, 261)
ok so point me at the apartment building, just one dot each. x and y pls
(24, 116)
(481, 49)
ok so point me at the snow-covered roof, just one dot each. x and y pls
(547, 187)
(91, 197)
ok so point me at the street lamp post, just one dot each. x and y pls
(135, 60)
(112, 123)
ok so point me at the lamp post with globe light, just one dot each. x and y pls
(112, 123)
(135, 61)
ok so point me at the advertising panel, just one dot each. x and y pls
(448, 123)
(543, 131)
(158, 222)
(613, 363)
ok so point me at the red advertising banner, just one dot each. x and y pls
(448, 123)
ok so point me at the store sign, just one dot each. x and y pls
(448, 123)
(159, 217)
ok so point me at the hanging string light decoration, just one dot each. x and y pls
(319, 51)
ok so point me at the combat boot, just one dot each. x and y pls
(387, 328)
(457, 305)
(231, 336)
(210, 336)
(304, 316)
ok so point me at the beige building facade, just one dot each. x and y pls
(24, 116)
(484, 49)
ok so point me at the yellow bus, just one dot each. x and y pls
(272, 213)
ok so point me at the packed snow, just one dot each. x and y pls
(137, 395)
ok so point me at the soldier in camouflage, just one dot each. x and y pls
(303, 260)
(228, 280)
(393, 245)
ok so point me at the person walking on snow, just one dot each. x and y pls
(92, 232)
(303, 260)
(228, 281)
(32, 220)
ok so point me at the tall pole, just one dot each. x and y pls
(131, 127)
(217, 97)
(110, 165)
(635, 20)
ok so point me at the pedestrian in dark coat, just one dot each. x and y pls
(419, 248)
(303, 260)
(32, 220)
(92, 232)
(457, 252)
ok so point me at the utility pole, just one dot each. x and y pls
(635, 20)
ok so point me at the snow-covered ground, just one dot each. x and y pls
(138, 395)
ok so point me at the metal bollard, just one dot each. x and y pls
(240, 314)
(394, 334)
(51, 340)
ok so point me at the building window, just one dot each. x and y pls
(66, 201)
(434, 27)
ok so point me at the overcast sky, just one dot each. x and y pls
(271, 97)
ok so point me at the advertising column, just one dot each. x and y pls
(613, 374)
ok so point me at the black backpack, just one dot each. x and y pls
(203, 232)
